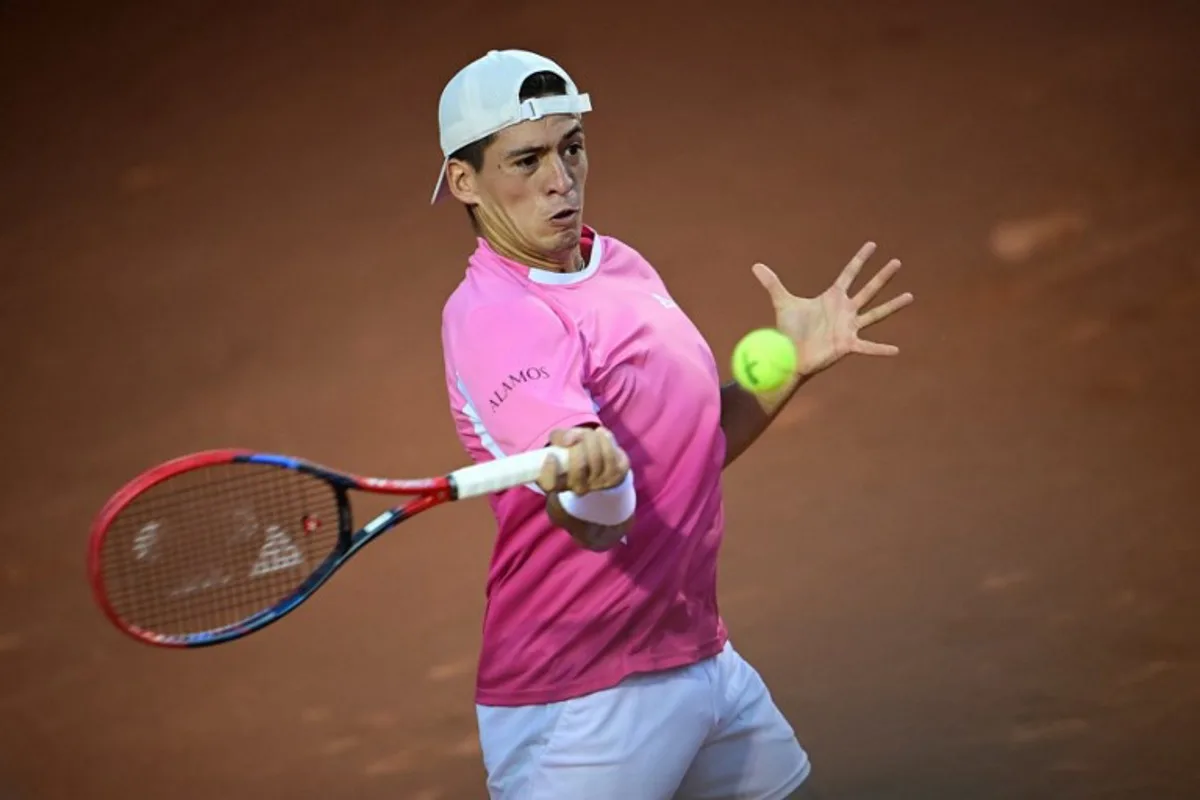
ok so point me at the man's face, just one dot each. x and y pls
(530, 188)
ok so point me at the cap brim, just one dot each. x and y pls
(440, 190)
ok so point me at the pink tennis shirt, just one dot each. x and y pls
(528, 351)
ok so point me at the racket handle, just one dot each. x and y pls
(505, 473)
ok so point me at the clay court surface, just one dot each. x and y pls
(966, 573)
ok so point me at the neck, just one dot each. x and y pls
(504, 239)
(567, 261)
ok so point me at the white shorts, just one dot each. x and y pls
(709, 731)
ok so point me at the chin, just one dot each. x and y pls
(564, 238)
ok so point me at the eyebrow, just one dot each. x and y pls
(521, 152)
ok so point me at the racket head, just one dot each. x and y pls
(212, 546)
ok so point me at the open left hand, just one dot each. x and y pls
(826, 327)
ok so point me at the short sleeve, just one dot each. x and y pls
(520, 369)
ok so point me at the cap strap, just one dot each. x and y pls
(538, 107)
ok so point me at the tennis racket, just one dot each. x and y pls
(213, 546)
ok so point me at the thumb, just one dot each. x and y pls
(770, 281)
(550, 480)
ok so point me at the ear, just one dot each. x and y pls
(461, 181)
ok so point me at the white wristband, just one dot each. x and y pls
(605, 507)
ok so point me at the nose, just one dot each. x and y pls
(560, 179)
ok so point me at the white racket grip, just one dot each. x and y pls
(505, 473)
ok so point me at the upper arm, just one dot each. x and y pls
(521, 370)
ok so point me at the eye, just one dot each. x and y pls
(528, 162)
(575, 148)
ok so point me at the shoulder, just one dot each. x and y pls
(627, 265)
(618, 248)
(484, 306)
(480, 290)
(621, 254)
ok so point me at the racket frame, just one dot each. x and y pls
(469, 481)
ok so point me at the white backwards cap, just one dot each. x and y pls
(484, 97)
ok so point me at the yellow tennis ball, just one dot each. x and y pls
(764, 360)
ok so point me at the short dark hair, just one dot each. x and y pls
(539, 84)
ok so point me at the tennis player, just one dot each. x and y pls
(606, 671)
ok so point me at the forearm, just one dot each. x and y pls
(592, 535)
(597, 518)
(745, 415)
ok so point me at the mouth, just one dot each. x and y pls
(566, 216)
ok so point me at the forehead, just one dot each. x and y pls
(536, 133)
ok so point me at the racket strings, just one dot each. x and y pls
(208, 548)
